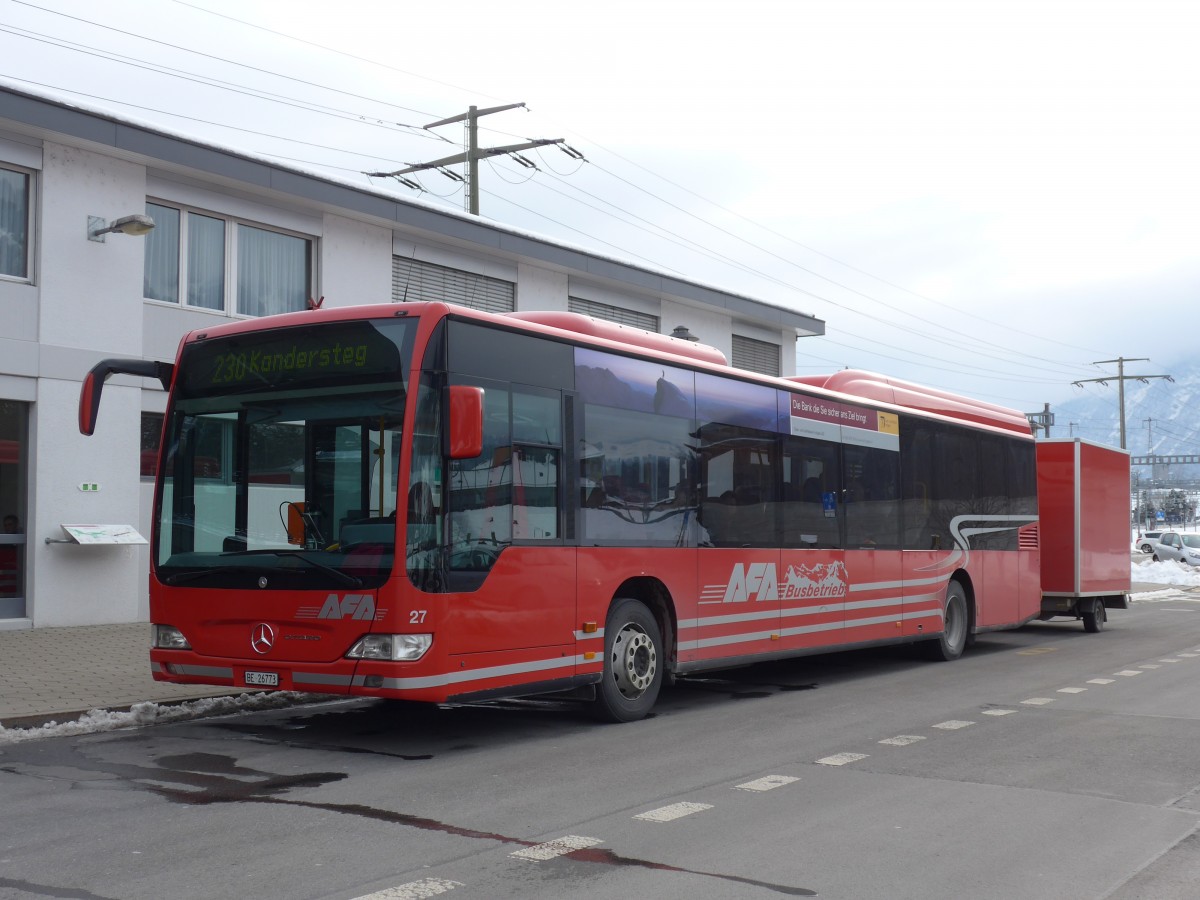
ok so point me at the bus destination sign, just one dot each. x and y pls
(347, 352)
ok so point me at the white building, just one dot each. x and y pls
(235, 236)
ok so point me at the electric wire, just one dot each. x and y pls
(359, 117)
(313, 107)
(680, 187)
(214, 57)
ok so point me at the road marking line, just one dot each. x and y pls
(1071, 690)
(1035, 651)
(1128, 672)
(1188, 655)
(414, 890)
(840, 759)
(1038, 701)
(1149, 666)
(672, 812)
(1101, 680)
(953, 725)
(902, 740)
(1169, 660)
(767, 783)
(557, 847)
(998, 712)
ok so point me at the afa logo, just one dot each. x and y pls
(347, 606)
(760, 582)
(757, 580)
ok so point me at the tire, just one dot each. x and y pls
(956, 625)
(1094, 621)
(633, 663)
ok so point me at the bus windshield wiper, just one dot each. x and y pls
(198, 574)
(352, 580)
(343, 577)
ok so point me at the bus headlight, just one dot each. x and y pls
(168, 637)
(395, 647)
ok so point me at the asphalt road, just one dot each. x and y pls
(1047, 763)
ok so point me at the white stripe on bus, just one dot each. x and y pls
(468, 675)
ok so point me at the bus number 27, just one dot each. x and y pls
(416, 617)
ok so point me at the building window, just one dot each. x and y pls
(191, 255)
(414, 281)
(152, 425)
(610, 313)
(755, 356)
(15, 217)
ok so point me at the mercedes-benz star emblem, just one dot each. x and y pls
(262, 639)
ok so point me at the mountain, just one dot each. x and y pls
(1161, 417)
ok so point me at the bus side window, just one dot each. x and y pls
(811, 471)
(871, 504)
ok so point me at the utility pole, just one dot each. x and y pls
(473, 154)
(1121, 378)
(1042, 420)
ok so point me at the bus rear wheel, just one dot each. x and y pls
(633, 663)
(956, 625)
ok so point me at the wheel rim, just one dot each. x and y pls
(634, 661)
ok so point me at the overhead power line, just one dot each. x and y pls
(929, 331)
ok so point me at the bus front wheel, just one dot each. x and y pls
(633, 663)
(956, 625)
(1094, 621)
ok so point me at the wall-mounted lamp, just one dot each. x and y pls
(135, 225)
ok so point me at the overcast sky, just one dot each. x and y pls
(982, 196)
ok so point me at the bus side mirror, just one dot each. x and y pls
(295, 524)
(89, 402)
(464, 433)
(93, 384)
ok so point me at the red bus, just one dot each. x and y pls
(426, 502)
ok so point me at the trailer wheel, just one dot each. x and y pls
(949, 645)
(633, 670)
(1094, 621)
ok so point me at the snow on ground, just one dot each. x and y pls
(1170, 575)
(1165, 572)
(97, 720)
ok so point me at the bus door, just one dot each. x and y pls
(737, 613)
(813, 583)
(870, 499)
(511, 578)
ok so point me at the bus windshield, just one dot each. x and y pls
(281, 457)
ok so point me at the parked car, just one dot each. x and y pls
(1184, 548)
(1147, 541)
